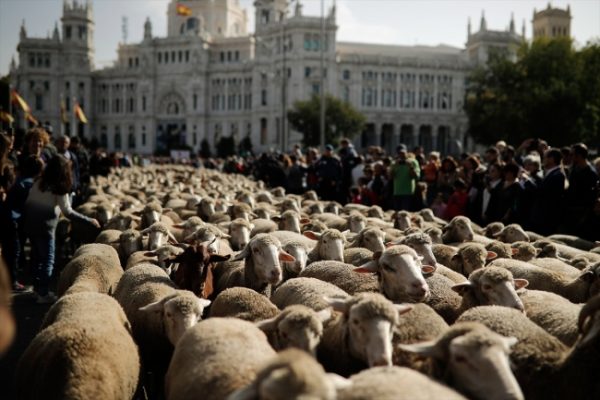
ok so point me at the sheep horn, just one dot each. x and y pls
(588, 310)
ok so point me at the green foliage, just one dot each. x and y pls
(341, 120)
(245, 147)
(226, 147)
(551, 92)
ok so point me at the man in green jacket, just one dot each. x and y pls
(405, 173)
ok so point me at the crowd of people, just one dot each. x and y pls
(544, 189)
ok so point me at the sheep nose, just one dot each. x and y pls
(275, 275)
(243, 245)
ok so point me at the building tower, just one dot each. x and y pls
(552, 22)
(268, 13)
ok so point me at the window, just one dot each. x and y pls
(228, 56)
(237, 55)
(143, 135)
(195, 101)
(143, 103)
(316, 88)
(117, 137)
(187, 56)
(103, 137)
(195, 137)
(263, 131)
(47, 60)
(68, 32)
(137, 62)
(346, 94)
(159, 58)
(263, 97)
(180, 55)
(32, 60)
(222, 56)
(131, 137)
(346, 75)
(39, 102)
(264, 17)
(166, 57)
(46, 85)
(173, 55)
(307, 42)
(307, 72)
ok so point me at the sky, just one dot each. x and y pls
(405, 22)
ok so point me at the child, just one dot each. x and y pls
(438, 206)
(457, 203)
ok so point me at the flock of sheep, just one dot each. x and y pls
(206, 285)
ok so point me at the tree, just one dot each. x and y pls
(341, 119)
(551, 92)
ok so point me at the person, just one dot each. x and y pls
(62, 147)
(510, 195)
(7, 179)
(35, 141)
(447, 175)
(14, 247)
(438, 206)
(457, 202)
(430, 173)
(490, 206)
(404, 174)
(47, 199)
(348, 156)
(582, 192)
(549, 201)
(296, 175)
(329, 174)
(378, 182)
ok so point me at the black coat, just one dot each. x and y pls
(549, 203)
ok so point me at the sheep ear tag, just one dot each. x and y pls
(208, 288)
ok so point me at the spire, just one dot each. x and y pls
(298, 10)
(483, 24)
(333, 11)
(469, 28)
(512, 22)
(23, 32)
(55, 35)
(523, 29)
(147, 29)
(13, 64)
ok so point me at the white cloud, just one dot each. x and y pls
(352, 30)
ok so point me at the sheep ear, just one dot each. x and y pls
(179, 226)
(242, 254)
(324, 314)
(166, 210)
(491, 255)
(588, 276)
(538, 251)
(497, 234)
(172, 238)
(403, 308)
(463, 287)
(521, 283)
(285, 256)
(304, 221)
(338, 304)
(428, 349)
(510, 341)
(203, 303)
(312, 235)
(218, 257)
(157, 306)
(428, 269)
(224, 235)
(338, 381)
(267, 325)
(456, 259)
(371, 266)
(514, 251)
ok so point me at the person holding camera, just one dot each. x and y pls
(405, 173)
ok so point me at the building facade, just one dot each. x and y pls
(552, 22)
(208, 79)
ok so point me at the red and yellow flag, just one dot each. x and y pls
(18, 101)
(79, 114)
(183, 10)
(29, 117)
(6, 117)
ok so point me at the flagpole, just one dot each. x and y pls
(74, 119)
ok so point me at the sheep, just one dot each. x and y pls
(396, 383)
(240, 210)
(356, 222)
(357, 256)
(332, 221)
(554, 264)
(401, 220)
(342, 275)
(512, 233)
(243, 303)
(458, 230)
(493, 229)
(306, 291)
(215, 358)
(161, 257)
(314, 226)
(502, 250)
(209, 233)
(94, 267)
(239, 230)
(151, 214)
(555, 314)
(296, 326)
(443, 253)
(287, 237)
(260, 225)
(130, 241)
(565, 251)
(292, 374)
(369, 238)
(84, 351)
(159, 234)
(577, 290)
(486, 374)
(471, 257)
(435, 234)
(300, 252)
(290, 221)
(260, 269)
(188, 227)
(158, 312)
(573, 241)
(442, 298)
(523, 251)
(330, 245)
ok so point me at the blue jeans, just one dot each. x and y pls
(42, 260)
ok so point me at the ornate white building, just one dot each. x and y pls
(209, 79)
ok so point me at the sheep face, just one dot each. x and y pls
(130, 242)
(290, 221)
(156, 239)
(332, 208)
(266, 254)
(523, 251)
(425, 250)
(151, 217)
(373, 240)
(240, 235)
(371, 322)
(512, 233)
(206, 208)
(357, 223)
(459, 230)
(263, 213)
(290, 204)
(180, 312)
(330, 244)
(427, 214)
(104, 214)
(299, 253)
(402, 220)
(477, 360)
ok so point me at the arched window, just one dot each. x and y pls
(131, 137)
(117, 138)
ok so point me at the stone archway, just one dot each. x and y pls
(171, 122)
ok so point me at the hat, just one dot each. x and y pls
(329, 147)
(401, 147)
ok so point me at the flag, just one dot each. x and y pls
(184, 11)
(18, 100)
(79, 114)
(63, 111)
(6, 117)
(29, 117)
